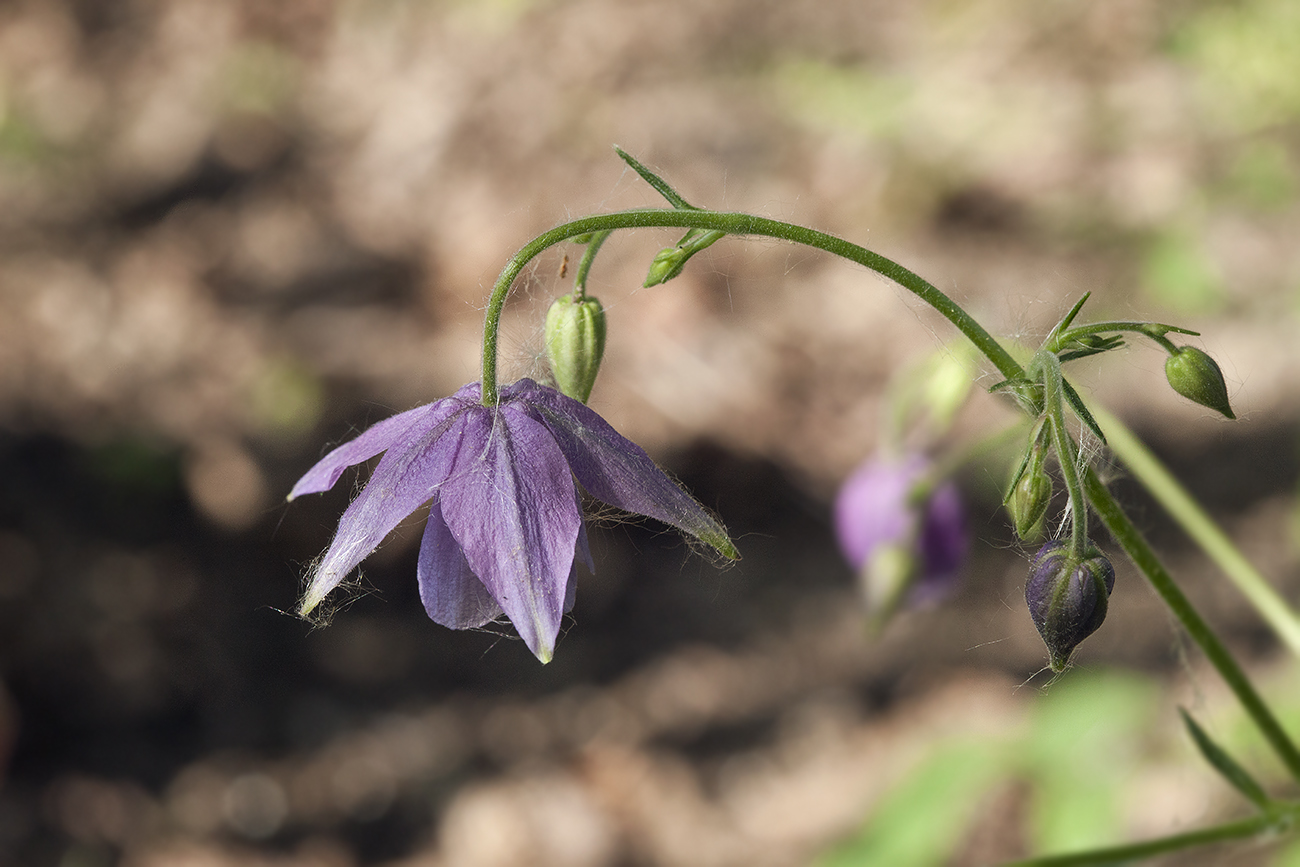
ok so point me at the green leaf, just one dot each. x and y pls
(1069, 317)
(1076, 404)
(1237, 776)
(660, 185)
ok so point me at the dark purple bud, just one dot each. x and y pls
(1067, 597)
(1197, 377)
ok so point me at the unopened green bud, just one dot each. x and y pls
(575, 343)
(1029, 501)
(666, 265)
(1197, 377)
(670, 261)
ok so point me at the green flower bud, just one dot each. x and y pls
(1029, 501)
(666, 265)
(670, 261)
(1197, 377)
(575, 344)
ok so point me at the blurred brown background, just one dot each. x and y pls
(234, 233)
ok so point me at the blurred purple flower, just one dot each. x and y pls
(505, 522)
(882, 526)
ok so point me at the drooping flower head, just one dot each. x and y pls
(505, 523)
(1068, 596)
(906, 538)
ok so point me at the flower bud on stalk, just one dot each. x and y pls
(1029, 502)
(1067, 597)
(575, 344)
(670, 261)
(1197, 377)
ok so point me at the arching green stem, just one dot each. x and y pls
(731, 224)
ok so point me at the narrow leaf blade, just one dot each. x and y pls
(1237, 776)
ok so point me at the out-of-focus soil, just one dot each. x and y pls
(232, 234)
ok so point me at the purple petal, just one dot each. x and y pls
(581, 553)
(378, 438)
(511, 505)
(407, 477)
(614, 469)
(943, 540)
(872, 507)
(452, 594)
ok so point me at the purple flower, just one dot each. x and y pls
(899, 532)
(504, 522)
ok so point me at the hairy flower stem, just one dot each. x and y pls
(731, 224)
(1066, 454)
(1140, 552)
(1276, 820)
(584, 267)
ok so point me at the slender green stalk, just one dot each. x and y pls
(1157, 479)
(731, 224)
(1239, 830)
(584, 267)
(1066, 454)
(1140, 552)
(1151, 330)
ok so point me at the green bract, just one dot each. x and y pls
(575, 343)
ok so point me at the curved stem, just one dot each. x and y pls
(1239, 830)
(731, 224)
(1140, 552)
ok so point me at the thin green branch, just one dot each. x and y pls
(1066, 454)
(584, 267)
(731, 224)
(1154, 330)
(1140, 552)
